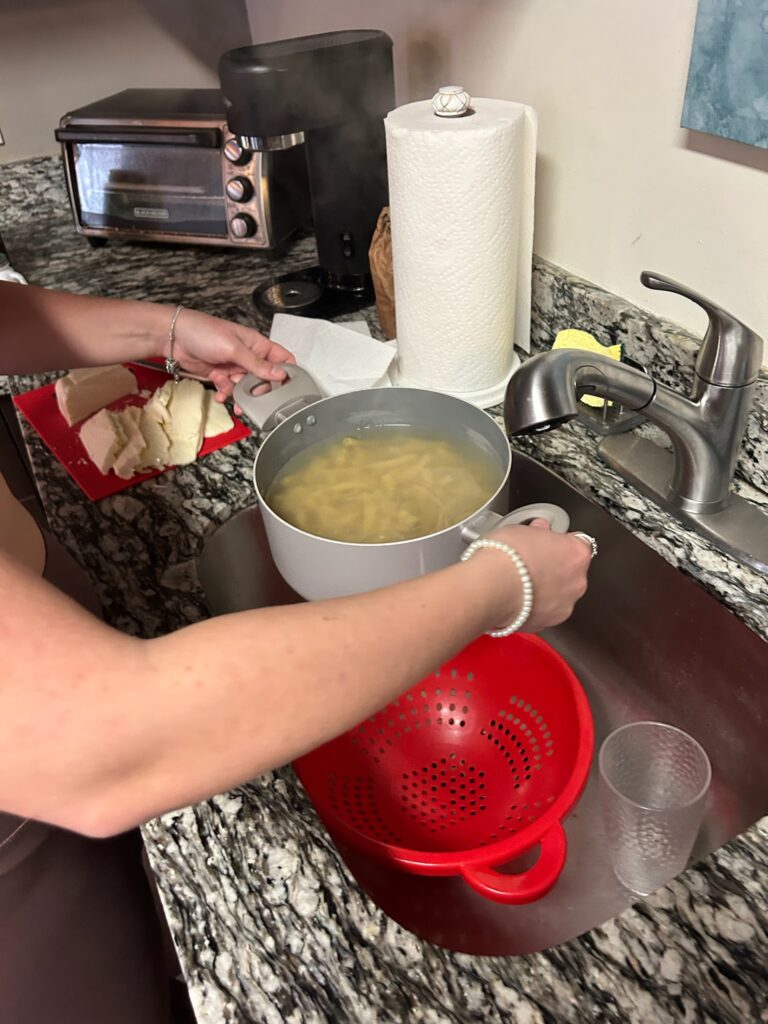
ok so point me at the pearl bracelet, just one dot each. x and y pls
(171, 364)
(525, 580)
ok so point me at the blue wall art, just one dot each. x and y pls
(727, 91)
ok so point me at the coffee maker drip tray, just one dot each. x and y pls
(306, 293)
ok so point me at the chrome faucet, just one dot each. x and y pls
(706, 430)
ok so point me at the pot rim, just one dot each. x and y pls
(264, 504)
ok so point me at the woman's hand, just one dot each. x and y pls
(557, 563)
(44, 330)
(223, 352)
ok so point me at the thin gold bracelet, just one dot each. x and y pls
(171, 364)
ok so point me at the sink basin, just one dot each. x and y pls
(646, 643)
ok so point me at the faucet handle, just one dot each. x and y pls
(731, 354)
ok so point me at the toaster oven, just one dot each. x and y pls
(161, 165)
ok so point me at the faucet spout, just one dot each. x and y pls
(705, 432)
(545, 391)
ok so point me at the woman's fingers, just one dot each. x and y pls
(540, 524)
(259, 367)
(277, 354)
(266, 351)
(223, 384)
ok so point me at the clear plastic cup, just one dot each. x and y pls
(654, 780)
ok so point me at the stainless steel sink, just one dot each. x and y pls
(647, 643)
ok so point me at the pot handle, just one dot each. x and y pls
(480, 525)
(530, 885)
(269, 410)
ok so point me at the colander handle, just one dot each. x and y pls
(529, 885)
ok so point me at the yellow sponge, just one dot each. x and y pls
(584, 340)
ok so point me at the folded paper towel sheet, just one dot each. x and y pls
(341, 357)
(461, 207)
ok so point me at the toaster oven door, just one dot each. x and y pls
(148, 187)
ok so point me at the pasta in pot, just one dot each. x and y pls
(385, 484)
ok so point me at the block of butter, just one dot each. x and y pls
(82, 392)
(168, 429)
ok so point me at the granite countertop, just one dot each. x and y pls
(268, 923)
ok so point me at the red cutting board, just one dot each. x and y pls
(40, 409)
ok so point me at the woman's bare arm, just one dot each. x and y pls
(46, 330)
(99, 731)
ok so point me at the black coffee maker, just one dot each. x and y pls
(330, 92)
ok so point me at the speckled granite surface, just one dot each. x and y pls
(269, 925)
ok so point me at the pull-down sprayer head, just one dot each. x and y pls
(544, 393)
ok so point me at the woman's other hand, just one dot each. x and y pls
(223, 352)
(557, 564)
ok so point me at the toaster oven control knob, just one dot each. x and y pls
(242, 226)
(235, 153)
(239, 189)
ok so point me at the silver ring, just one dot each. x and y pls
(587, 540)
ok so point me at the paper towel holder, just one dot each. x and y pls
(454, 343)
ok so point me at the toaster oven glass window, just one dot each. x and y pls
(160, 189)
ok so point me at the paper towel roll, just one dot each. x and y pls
(461, 206)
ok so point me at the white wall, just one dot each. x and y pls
(620, 186)
(56, 55)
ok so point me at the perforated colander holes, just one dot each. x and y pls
(533, 713)
(446, 786)
(451, 713)
(405, 716)
(521, 774)
(448, 707)
(438, 817)
(373, 825)
(535, 742)
(522, 751)
(361, 810)
(518, 815)
(374, 747)
(535, 749)
(451, 674)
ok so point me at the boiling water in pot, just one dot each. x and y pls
(383, 484)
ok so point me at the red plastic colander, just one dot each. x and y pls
(466, 771)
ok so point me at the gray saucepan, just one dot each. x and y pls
(295, 416)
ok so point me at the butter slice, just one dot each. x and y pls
(82, 392)
(157, 452)
(130, 458)
(103, 439)
(114, 441)
(155, 426)
(158, 406)
(217, 420)
(185, 430)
